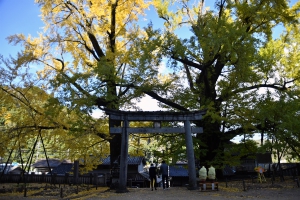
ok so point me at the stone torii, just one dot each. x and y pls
(156, 116)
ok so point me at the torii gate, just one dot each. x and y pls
(127, 116)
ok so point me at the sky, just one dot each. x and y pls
(17, 16)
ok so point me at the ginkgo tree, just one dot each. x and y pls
(88, 56)
(28, 120)
(223, 66)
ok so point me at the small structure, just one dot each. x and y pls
(179, 176)
(63, 168)
(5, 168)
(16, 170)
(264, 160)
(45, 166)
(135, 173)
(135, 164)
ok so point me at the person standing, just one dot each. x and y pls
(152, 174)
(164, 171)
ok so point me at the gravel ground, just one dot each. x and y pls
(276, 191)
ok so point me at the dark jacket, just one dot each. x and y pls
(164, 168)
(152, 171)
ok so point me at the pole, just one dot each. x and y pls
(190, 155)
(124, 158)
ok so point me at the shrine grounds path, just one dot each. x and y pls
(277, 191)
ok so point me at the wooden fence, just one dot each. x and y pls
(291, 171)
(94, 179)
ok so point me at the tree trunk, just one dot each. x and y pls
(212, 144)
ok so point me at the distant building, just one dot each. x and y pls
(16, 170)
(179, 175)
(63, 168)
(44, 166)
(135, 172)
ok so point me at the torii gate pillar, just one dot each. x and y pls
(190, 155)
(124, 158)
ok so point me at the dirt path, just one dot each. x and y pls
(278, 191)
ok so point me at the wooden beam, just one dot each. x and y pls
(118, 130)
(155, 116)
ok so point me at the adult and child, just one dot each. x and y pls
(164, 171)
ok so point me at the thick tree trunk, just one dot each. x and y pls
(212, 144)
(211, 139)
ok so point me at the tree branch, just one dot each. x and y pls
(274, 86)
(156, 97)
(165, 101)
(96, 45)
(187, 62)
(189, 77)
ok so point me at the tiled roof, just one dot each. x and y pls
(178, 172)
(63, 168)
(136, 177)
(52, 163)
(131, 160)
(15, 168)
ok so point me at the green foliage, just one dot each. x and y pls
(228, 59)
(279, 119)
